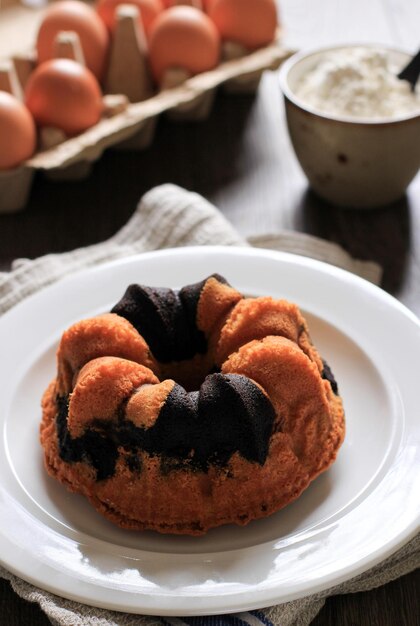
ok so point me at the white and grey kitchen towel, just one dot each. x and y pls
(169, 217)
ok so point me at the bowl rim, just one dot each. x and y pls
(289, 95)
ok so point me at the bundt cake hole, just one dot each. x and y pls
(177, 325)
(189, 374)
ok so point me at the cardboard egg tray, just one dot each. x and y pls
(131, 125)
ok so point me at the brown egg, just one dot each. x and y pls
(183, 37)
(148, 11)
(251, 23)
(64, 94)
(72, 15)
(17, 132)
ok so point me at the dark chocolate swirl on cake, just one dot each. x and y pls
(228, 414)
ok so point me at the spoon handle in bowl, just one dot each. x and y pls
(411, 71)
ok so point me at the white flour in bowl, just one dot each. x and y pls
(358, 82)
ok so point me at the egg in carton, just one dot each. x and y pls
(15, 183)
(131, 106)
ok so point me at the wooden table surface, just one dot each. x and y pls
(241, 159)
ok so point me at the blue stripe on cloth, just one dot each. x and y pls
(262, 617)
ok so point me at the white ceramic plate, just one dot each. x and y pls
(351, 517)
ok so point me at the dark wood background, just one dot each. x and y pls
(241, 159)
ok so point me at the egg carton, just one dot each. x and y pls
(130, 125)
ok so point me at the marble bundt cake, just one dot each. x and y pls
(184, 410)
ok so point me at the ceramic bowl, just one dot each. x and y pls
(350, 162)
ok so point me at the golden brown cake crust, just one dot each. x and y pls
(260, 340)
(104, 335)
